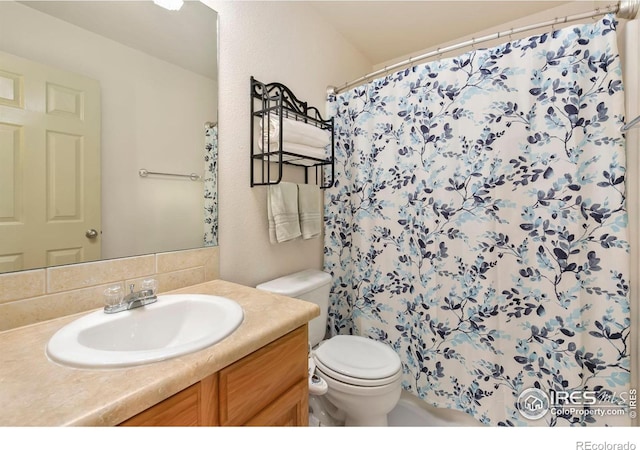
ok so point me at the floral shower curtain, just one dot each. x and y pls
(478, 226)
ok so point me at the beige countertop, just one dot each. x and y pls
(35, 391)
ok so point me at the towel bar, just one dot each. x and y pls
(193, 176)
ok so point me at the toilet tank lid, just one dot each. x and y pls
(297, 283)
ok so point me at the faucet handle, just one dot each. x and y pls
(150, 284)
(131, 287)
(113, 296)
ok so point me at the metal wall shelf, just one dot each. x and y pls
(276, 101)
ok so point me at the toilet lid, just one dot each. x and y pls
(358, 357)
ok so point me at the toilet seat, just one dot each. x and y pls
(358, 361)
(326, 373)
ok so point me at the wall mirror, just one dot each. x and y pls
(108, 130)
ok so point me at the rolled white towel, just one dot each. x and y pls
(294, 131)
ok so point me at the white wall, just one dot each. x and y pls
(572, 8)
(275, 42)
(145, 101)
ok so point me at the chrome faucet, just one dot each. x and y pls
(134, 299)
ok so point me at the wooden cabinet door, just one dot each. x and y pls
(255, 382)
(290, 410)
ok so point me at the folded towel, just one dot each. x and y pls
(310, 210)
(294, 131)
(298, 149)
(282, 209)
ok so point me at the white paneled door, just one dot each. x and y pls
(49, 166)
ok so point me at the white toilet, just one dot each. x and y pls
(362, 376)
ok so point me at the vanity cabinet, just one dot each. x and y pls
(266, 388)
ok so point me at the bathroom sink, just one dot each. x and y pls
(173, 326)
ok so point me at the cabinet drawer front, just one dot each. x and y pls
(254, 382)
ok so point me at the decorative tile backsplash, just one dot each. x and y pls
(43, 294)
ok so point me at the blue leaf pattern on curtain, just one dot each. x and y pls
(478, 226)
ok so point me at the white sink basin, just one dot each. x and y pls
(173, 326)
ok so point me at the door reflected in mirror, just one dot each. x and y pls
(91, 93)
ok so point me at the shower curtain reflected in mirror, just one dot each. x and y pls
(478, 226)
(211, 185)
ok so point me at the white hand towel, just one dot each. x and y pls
(310, 209)
(294, 131)
(282, 208)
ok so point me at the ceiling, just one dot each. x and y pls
(381, 30)
(384, 30)
(187, 38)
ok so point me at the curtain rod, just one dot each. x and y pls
(625, 9)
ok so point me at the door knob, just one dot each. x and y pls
(91, 234)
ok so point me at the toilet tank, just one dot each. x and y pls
(310, 285)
